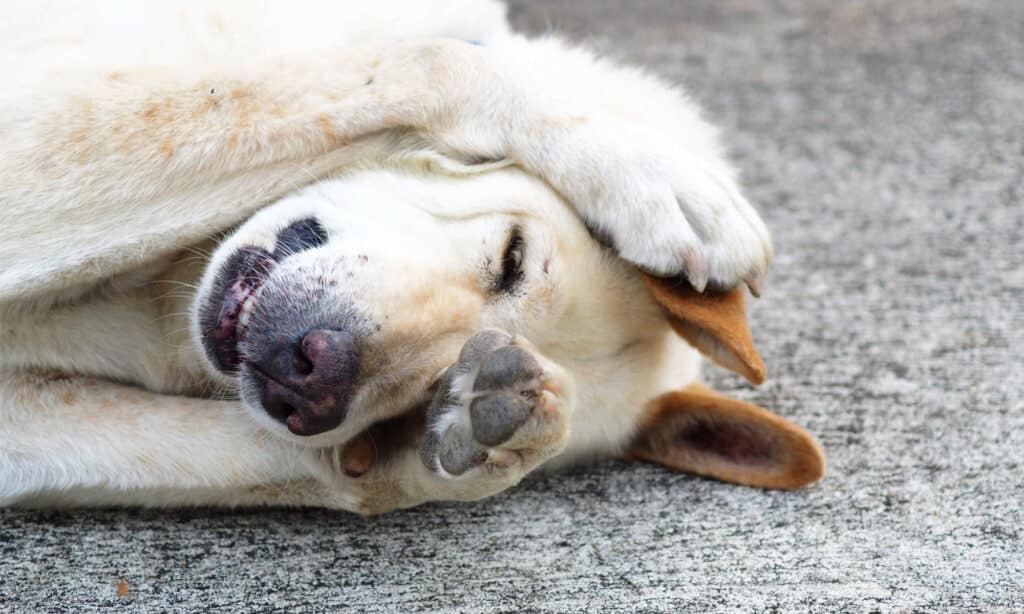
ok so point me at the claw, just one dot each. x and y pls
(696, 269)
(754, 283)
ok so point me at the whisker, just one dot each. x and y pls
(199, 251)
(291, 466)
(165, 316)
(173, 282)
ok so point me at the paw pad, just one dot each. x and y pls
(495, 406)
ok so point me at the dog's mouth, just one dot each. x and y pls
(228, 318)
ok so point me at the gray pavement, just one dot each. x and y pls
(884, 142)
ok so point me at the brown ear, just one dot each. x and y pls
(713, 322)
(698, 431)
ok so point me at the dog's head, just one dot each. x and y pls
(339, 306)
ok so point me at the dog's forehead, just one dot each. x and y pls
(378, 194)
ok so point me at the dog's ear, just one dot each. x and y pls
(713, 322)
(698, 431)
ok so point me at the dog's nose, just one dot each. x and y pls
(307, 384)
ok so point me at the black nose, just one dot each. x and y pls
(307, 383)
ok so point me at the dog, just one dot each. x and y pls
(360, 259)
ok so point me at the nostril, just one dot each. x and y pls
(300, 363)
(279, 410)
(313, 345)
(330, 352)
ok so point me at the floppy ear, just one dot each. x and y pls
(713, 322)
(698, 431)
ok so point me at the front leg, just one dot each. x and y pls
(666, 210)
(499, 412)
(629, 151)
(71, 441)
(143, 163)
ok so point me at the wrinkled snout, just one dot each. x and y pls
(306, 381)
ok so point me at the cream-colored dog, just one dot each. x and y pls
(325, 254)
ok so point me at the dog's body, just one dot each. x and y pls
(360, 318)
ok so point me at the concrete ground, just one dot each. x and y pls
(884, 142)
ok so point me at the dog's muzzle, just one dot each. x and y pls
(303, 362)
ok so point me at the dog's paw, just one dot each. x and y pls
(500, 411)
(668, 211)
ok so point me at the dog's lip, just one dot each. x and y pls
(232, 324)
(225, 322)
(243, 277)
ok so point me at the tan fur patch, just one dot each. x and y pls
(713, 322)
(699, 431)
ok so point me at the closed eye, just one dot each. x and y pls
(511, 262)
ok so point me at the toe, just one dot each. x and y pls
(481, 343)
(495, 417)
(457, 452)
(549, 404)
(507, 367)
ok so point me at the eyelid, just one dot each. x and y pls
(515, 238)
(515, 243)
(510, 274)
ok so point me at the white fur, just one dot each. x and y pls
(131, 132)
